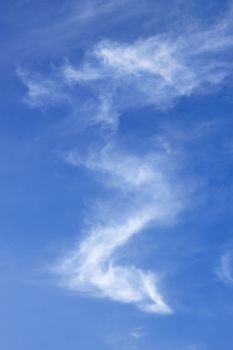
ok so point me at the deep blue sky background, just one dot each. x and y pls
(45, 201)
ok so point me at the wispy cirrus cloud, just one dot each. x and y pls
(114, 77)
(39, 89)
(56, 30)
(145, 197)
(151, 71)
(124, 169)
(90, 268)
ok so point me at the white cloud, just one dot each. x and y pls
(145, 197)
(154, 70)
(41, 92)
(91, 268)
(113, 77)
(225, 270)
(90, 10)
(162, 68)
(125, 170)
(72, 75)
(136, 333)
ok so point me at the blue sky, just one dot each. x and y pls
(116, 175)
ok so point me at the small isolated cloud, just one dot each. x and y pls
(224, 271)
(136, 333)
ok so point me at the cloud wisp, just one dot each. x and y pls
(225, 270)
(114, 77)
(145, 197)
(151, 71)
(90, 269)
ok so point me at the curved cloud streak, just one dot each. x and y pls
(90, 269)
(145, 197)
(112, 78)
